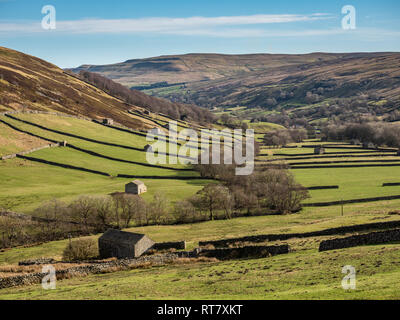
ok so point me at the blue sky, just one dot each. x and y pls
(103, 32)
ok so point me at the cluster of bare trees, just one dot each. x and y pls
(16, 231)
(279, 138)
(267, 191)
(86, 215)
(382, 134)
(13, 231)
(101, 212)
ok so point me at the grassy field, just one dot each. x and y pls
(310, 219)
(31, 189)
(354, 183)
(298, 275)
(304, 273)
(12, 141)
(26, 184)
(301, 274)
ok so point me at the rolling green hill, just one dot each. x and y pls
(32, 182)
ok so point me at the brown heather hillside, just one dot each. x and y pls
(311, 86)
(197, 67)
(375, 74)
(28, 82)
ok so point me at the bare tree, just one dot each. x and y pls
(103, 207)
(185, 211)
(83, 211)
(132, 208)
(159, 208)
(212, 198)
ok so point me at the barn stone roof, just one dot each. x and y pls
(137, 182)
(122, 236)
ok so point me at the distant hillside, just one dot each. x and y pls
(167, 70)
(312, 86)
(342, 77)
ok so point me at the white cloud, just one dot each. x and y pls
(190, 25)
(256, 33)
(225, 27)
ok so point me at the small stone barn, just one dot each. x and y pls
(135, 187)
(148, 148)
(319, 150)
(156, 131)
(369, 145)
(108, 122)
(123, 245)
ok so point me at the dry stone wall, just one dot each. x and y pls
(179, 245)
(361, 240)
(336, 203)
(62, 165)
(282, 237)
(100, 267)
(244, 252)
(92, 268)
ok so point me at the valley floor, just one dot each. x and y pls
(298, 275)
(304, 273)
